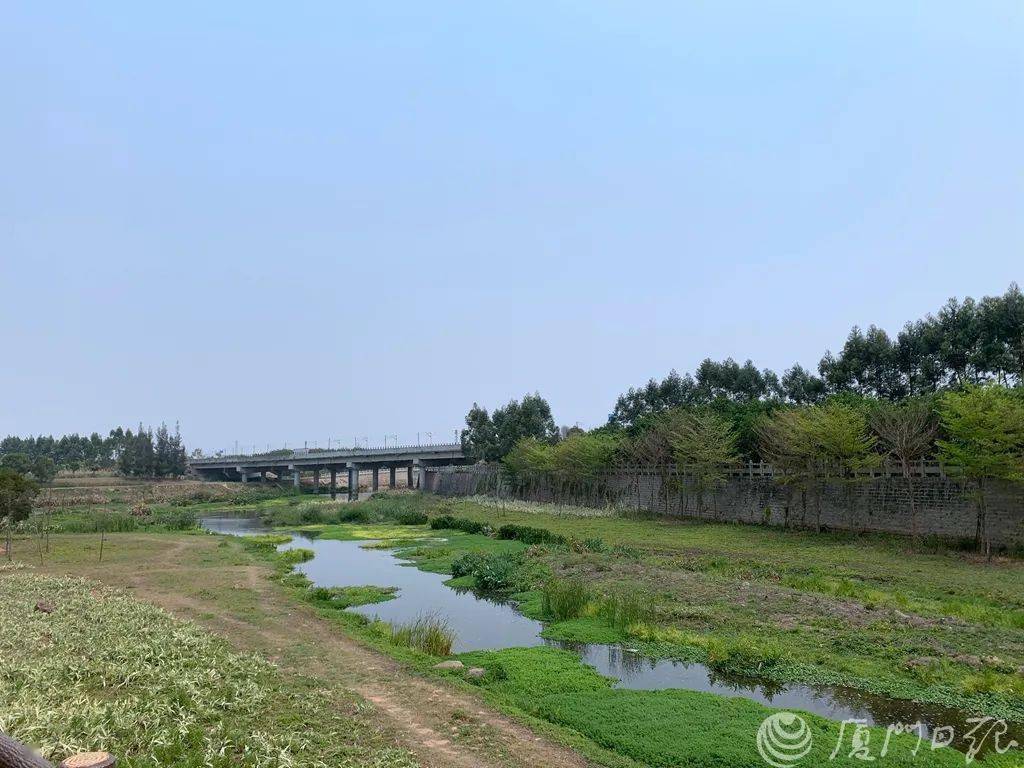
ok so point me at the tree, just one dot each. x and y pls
(786, 441)
(811, 446)
(801, 387)
(907, 433)
(584, 457)
(637, 406)
(17, 462)
(530, 418)
(528, 455)
(984, 428)
(43, 469)
(703, 445)
(138, 456)
(479, 439)
(16, 494)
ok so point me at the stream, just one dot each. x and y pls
(481, 622)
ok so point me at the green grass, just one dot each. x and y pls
(348, 597)
(934, 626)
(862, 611)
(524, 675)
(878, 619)
(104, 671)
(95, 520)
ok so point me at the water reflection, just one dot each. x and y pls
(236, 526)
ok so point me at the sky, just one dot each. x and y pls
(288, 223)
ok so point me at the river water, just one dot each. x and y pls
(482, 622)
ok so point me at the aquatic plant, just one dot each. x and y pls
(492, 571)
(625, 609)
(428, 632)
(347, 597)
(565, 598)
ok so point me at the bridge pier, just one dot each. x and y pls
(376, 478)
(408, 477)
(296, 477)
(391, 478)
(316, 480)
(353, 482)
(334, 483)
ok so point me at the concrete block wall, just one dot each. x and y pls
(945, 507)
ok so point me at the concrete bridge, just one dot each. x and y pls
(413, 459)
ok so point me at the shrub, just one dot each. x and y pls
(564, 598)
(354, 514)
(491, 571)
(530, 535)
(411, 518)
(447, 522)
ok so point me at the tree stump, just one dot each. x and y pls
(90, 760)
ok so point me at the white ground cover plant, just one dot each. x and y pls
(545, 508)
(106, 671)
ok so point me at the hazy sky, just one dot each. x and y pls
(288, 222)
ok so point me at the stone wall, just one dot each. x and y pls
(946, 507)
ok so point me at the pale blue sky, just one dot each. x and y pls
(287, 222)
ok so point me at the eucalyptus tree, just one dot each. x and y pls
(479, 439)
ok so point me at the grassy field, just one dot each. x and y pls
(339, 701)
(865, 612)
(859, 611)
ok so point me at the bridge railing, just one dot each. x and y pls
(306, 453)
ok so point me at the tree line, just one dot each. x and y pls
(949, 388)
(965, 342)
(143, 453)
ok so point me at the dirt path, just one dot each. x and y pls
(444, 726)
